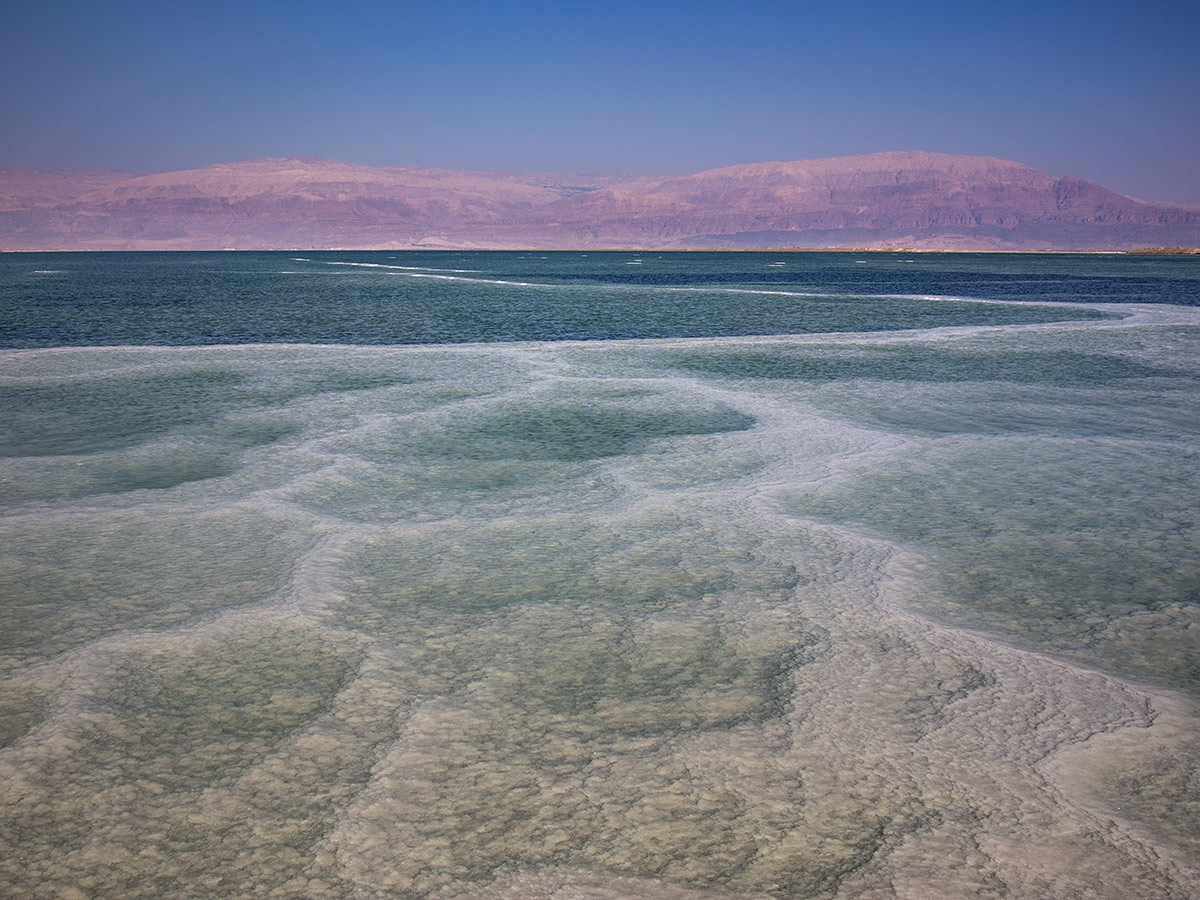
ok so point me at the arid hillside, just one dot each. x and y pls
(912, 199)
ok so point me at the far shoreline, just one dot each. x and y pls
(1139, 251)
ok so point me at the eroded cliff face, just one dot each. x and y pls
(913, 199)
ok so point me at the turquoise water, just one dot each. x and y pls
(704, 575)
(67, 299)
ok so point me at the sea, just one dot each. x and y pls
(598, 576)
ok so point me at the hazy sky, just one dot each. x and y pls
(1106, 90)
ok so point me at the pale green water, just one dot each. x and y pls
(894, 612)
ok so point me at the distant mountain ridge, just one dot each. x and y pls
(900, 199)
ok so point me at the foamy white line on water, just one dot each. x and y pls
(364, 265)
(415, 272)
(418, 272)
(430, 272)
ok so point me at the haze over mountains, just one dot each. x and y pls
(913, 199)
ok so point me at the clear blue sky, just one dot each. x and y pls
(1109, 91)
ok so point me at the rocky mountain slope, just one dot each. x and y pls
(917, 199)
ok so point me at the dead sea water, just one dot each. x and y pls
(502, 575)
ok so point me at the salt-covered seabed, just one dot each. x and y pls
(911, 615)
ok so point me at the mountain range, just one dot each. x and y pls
(914, 200)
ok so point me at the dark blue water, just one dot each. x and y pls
(188, 299)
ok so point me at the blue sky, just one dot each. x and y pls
(1109, 91)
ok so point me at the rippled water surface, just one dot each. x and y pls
(714, 575)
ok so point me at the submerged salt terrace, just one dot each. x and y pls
(861, 615)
